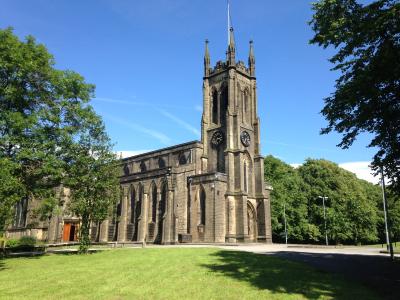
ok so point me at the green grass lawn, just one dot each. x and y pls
(170, 273)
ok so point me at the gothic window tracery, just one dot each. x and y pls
(154, 203)
(133, 199)
(161, 163)
(215, 107)
(224, 105)
(185, 158)
(202, 207)
(143, 167)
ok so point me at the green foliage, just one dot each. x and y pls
(159, 274)
(50, 136)
(352, 208)
(288, 190)
(366, 99)
(92, 177)
(27, 241)
(11, 191)
(12, 243)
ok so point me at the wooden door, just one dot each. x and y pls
(66, 233)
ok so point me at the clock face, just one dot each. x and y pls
(245, 138)
(217, 138)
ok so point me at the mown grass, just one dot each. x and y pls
(170, 273)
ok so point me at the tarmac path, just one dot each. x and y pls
(362, 264)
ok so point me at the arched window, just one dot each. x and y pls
(224, 105)
(161, 211)
(154, 203)
(161, 163)
(202, 206)
(133, 199)
(143, 167)
(238, 94)
(126, 169)
(138, 209)
(215, 107)
(139, 202)
(183, 159)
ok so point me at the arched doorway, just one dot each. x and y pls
(251, 223)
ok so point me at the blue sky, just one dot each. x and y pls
(146, 60)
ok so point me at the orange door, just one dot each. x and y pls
(67, 229)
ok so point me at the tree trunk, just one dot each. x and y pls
(84, 240)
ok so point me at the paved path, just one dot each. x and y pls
(362, 264)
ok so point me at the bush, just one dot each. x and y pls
(27, 241)
(12, 243)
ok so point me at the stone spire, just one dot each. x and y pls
(231, 48)
(206, 61)
(252, 60)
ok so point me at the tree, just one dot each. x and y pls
(288, 190)
(45, 125)
(30, 93)
(367, 95)
(92, 177)
(351, 207)
(11, 191)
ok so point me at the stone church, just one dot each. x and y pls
(208, 191)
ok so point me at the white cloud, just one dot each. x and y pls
(129, 153)
(360, 168)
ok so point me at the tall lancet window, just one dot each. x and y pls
(153, 203)
(133, 199)
(202, 206)
(224, 105)
(215, 107)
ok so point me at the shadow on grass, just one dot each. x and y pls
(278, 275)
(375, 272)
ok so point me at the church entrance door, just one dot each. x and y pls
(70, 232)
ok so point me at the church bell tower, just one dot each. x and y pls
(231, 141)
